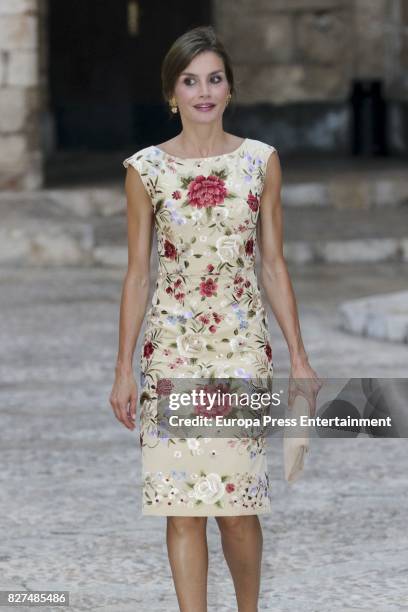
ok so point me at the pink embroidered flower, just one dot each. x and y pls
(169, 290)
(164, 386)
(247, 284)
(204, 319)
(170, 250)
(178, 282)
(224, 407)
(210, 268)
(253, 201)
(204, 192)
(229, 487)
(249, 247)
(179, 296)
(148, 350)
(268, 351)
(217, 318)
(176, 195)
(208, 287)
(239, 292)
(213, 329)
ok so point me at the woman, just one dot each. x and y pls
(211, 196)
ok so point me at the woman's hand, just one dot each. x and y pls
(309, 387)
(123, 397)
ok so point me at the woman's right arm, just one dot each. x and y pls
(135, 294)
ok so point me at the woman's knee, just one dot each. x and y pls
(235, 525)
(186, 524)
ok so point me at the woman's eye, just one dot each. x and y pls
(215, 79)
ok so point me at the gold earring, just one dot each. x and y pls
(228, 99)
(173, 105)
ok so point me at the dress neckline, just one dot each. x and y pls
(202, 158)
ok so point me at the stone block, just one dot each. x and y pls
(111, 256)
(223, 8)
(350, 193)
(11, 7)
(14, 245)
(324, 38)
(23, 69)
(13, 109)
(288, 84)
(18, 32)
(364, 250)
(270, 39)
(12, 153)
(304, 194)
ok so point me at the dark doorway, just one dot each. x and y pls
(104, 70)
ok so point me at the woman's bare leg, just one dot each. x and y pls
(188, 555)
(242, 541)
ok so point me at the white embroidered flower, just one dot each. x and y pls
(196, 215)
(192, 443)
(209, 489)
(203, 238)
(190, 344)
(238, 342)
(228, 247)
(177, 454)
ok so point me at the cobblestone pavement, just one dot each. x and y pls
(70, 490)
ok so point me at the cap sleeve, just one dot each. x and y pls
(138, 162)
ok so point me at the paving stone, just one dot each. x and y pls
(70, 473)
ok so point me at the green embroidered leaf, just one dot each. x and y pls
(224, 478)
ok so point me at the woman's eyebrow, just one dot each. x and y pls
(192, 73)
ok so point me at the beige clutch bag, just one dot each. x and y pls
(295, 448)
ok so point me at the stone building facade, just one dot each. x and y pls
(294, 62)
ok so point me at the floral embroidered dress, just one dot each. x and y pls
(206, 319)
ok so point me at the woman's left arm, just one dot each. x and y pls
(274, 273)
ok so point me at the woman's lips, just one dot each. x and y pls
(206, 107)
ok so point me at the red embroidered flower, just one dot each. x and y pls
(239, 292)
(217, 317)
(176, 195)
(268, 351)
(169, 290)
(179, 296)
(249, 247)
(210, 268)
(148, 350)
(204, 319)
(253, 201)
(213, 328)
(164, 386)
(208, 287)
(229, 487)
(247, 283)
(238, 279)
(204, 192)
(170, 250)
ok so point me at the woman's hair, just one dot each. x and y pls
(184, 49)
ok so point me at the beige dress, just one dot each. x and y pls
(207, 318)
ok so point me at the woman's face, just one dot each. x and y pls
(203, 82)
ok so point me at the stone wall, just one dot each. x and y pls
(20, 147)
(294, 62)
(296, 59)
